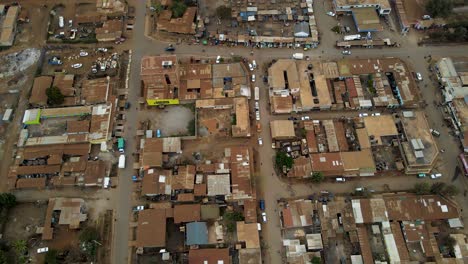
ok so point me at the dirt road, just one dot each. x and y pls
(124, 198)
(271, 188)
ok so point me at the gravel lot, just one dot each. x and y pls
(172, 120)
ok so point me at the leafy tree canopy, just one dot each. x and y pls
(422, 188)
(7, 200)
(178, 8)
(316, 260)
(317, 176)
(439, 8)
(283, 160)
(54, 96)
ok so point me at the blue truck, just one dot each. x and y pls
(262, 205)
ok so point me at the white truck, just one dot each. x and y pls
(257, 93)
(298, 56)
(352, 37)
(61, 22)
(122, 161)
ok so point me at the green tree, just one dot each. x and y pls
(223, 12)
(439, 8)
(450, 190)
(21, 248)
(316, 260)
(449, 242)
(3, 257)
(437, 188)
(231, 227)
(7, 200)
(233, 216)
(178, 8)
(461, 33)
(157, 8)
(54, 96)
(317, 177)
(89, 241)
(191, 127)
(283, 160)
(51, 257)
(370, 84)
(422, 188)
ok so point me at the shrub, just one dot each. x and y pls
(336, 29)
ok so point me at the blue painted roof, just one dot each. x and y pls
(197, 233)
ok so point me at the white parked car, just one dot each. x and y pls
(251, 67)
(260, 141)
(340, 179)
(83, 53)
(330, 13)
(257, 115)
(264, 217)
(419, 76)
(363, 114)
(346, 52)
(218, 59)
(42, 250)
(257, 105)
(375, 114)
(138, 208)
(102, 49)
(77, 65)
(253, 77)
(436, 175)
(305, 118)
(254, 64)
(426, 17)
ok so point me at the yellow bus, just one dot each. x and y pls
(157, 102)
